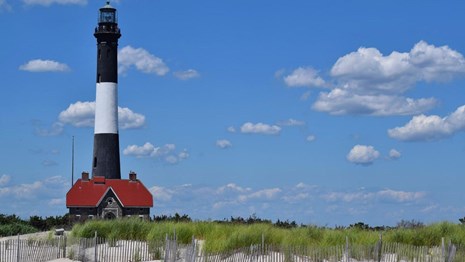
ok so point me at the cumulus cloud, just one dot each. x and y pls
(367, 82)
(394, 154)
(142, 60)
(22, 199)
(4, 179)
(49, 163)
(167, 152)
(231, 129)
(39, 65)
(385, 194)
(362, 155)
(223, 143)
(369, 70)
(188, 74)
(57, 202)
(291, 122)
(266, 194)
(127, 119)
(161, 193)
(82, 114)
(304, 76)
(232, 187)
(260, 128)
(430, 128)
(50, 2)
(310, 138)
(23, 190)
(344, 102)
(79, 114)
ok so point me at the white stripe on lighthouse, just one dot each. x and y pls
(106, 108)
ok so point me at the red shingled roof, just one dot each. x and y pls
(90, 193)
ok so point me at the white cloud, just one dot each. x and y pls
(40, 65)
(304, 76)
(4, 179)
(291, 122)
(50, 2)
(400, 196)
(345, 102)
(127, 119)
(231, 187)
(366, 82)
(362, 155)
(310, 138)
(79, 114)
(57, 202)
(22, 191)
(231, 129)
(82, 114)
(369, 70)
(183, 155)
(296, 198)
(223, 143)
(265, 194)
(386, 194)
(188, 74)
(142, 60)
(161, 194)
(145, 150)
(394, 154)
(49, 163)
(429, 128)
(167, 153)
(260, 128)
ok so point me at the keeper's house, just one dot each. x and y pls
(105, 198)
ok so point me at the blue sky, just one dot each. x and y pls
(322, 112)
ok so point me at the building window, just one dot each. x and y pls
(95, 158)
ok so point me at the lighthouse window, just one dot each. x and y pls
(99, 79)
(95, 159)
(99, 54)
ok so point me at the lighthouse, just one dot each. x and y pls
(106, 195)
(106, 158)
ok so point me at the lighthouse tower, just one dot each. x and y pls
(106, 195)
(106, 160)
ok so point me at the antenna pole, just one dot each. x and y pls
(72, 164)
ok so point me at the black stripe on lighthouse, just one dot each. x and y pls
(106, 160)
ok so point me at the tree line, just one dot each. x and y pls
(13, 225)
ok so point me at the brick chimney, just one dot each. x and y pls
(132, 176)
(85, 176)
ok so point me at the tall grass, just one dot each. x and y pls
(220, 237)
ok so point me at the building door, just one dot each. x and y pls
(109, 216)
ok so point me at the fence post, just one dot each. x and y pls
(64, 246)
(443, 250)
(379, 252)
(167, 248)
(347, 249)
(17, 250)
(263, 245)
(95, 251)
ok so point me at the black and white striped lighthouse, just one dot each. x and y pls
(106, 161)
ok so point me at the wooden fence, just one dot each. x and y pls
(102, 250)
